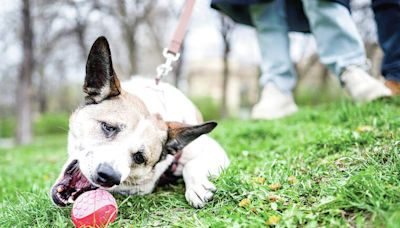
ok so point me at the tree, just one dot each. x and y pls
(24, 84)
(226, 30)
(130, 17)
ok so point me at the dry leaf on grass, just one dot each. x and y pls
(275, 186)
(364, 128)
(244, 202)
(259, 180)
(273, 220)
(273, 198)
(292, 180)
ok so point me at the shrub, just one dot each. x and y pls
(208, 107)
(7, 127)
(51, 123)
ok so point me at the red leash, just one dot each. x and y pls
(171, 54)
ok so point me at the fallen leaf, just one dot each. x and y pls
(273, 198)
(254, 210)
(259, 180)
(273, 220)
(275, 186)
(364, 128)
(292, 180)
(244, 202)
(340, 165)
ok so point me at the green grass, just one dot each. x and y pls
(49, 123)
(208, 107)
(345, 157)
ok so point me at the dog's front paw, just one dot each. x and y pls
(200, 193)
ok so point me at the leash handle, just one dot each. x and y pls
(176, 42)
(171, 54)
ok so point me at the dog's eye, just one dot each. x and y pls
(138, 158)
(108, 129)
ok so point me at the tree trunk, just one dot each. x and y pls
(128, 30)
(42, 96)
(24, 86)
(131, 44)
(225, 80)
(80, 33)
(226, 31)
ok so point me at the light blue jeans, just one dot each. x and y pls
(338, 41)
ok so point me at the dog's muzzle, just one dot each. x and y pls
(106, 176)
(71, 185)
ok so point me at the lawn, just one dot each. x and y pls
(334, 165)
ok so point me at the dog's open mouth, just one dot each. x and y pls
(72, 184)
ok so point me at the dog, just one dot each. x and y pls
(130, 137)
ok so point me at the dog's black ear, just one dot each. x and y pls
(180, 135)
(101, 82)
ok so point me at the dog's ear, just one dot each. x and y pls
(180, 135)
(101, 82)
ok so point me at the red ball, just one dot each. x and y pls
(95, 208)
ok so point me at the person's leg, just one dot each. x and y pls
(338, 41)
(387, 17)
(278, 73)
(341, 48)
(272, 32)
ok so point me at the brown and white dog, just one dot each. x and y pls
(126, 137)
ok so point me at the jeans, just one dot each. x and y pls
(338, 41)
(387, 17)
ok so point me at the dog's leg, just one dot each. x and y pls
(202, 158)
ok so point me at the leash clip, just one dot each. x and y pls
(166, 67)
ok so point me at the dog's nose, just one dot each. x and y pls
(107, 176)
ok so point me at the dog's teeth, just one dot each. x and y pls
(70, 200)
(62, 199)
(60, 188)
